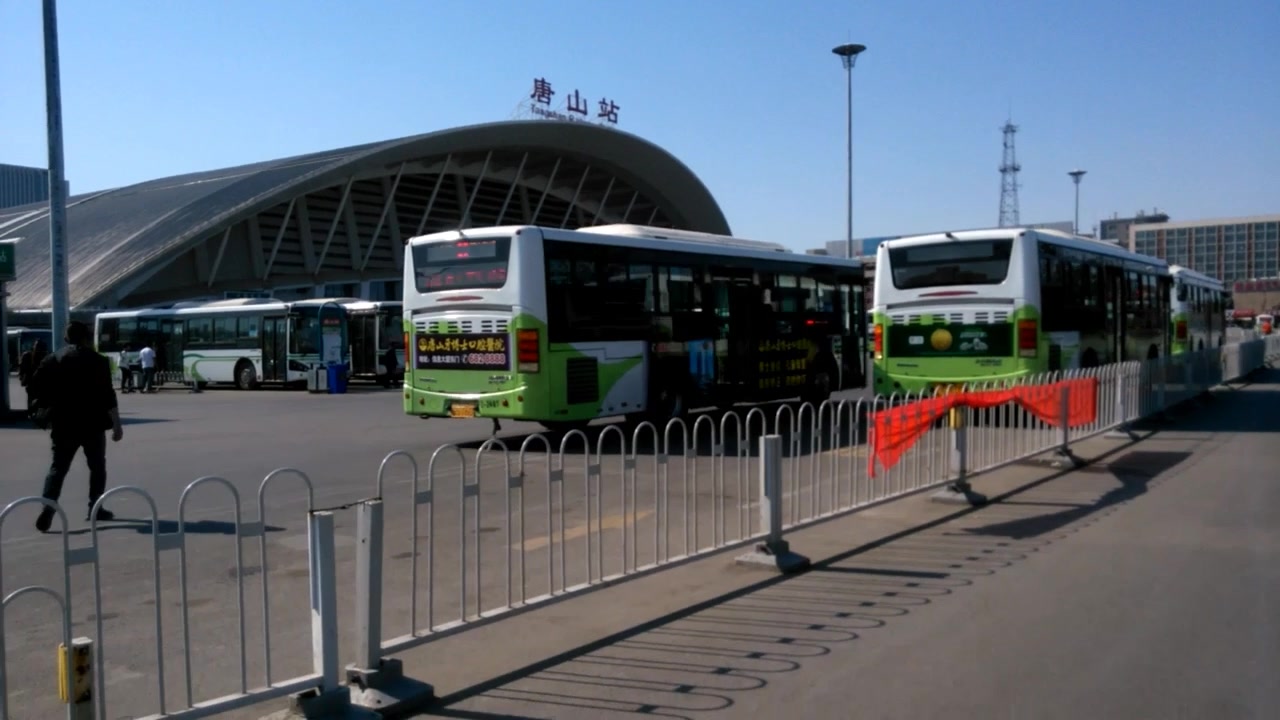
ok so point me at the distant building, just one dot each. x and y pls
(1230, 249)
(1116, 229)
(20, 185)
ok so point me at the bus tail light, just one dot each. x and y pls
(527, 351)
(1028, 338)
(878, 337)
(1180, 330)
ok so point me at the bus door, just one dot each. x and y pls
(737, 305)
(275, 348)
(169, 346)
(363, 330)
(1116, 309)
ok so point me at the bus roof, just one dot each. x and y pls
(1055, 237)
(216, 307)
(1196, 278)
(642, 237)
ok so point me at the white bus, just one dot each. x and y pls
(563, 326)
(978, 305)
(1196, 310)
(247, 342)
(376, 328)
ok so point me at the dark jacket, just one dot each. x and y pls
(75, 384)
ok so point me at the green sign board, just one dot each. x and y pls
(950, 340)
(8, 261)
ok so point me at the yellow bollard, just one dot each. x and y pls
(77, 690)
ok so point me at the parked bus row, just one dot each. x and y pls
(251, 342)
(961, 307)
(561, 327)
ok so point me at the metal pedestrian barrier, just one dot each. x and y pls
(505, 527)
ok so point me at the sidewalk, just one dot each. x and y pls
(926, 589)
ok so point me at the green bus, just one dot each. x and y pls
(1197, 311)
(981, 305)
(561, 327)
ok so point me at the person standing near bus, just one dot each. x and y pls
(27, 365)
(147, 356)
(76, 398)
(126, 369)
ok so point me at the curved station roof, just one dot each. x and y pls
(343, 215)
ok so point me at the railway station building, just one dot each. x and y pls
(334, 223)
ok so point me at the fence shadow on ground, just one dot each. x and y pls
(703, 658)
(143, 526)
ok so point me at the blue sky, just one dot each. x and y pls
(1166, 104)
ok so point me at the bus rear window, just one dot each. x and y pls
(983, 262)
(461, 265)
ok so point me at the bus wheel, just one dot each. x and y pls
(246, 378)
(1153, 352)
(1089, 359)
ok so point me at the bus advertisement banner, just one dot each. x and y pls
(950, 340)
(488, 351)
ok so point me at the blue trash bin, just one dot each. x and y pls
(337, 379)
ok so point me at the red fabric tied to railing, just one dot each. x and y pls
(895, 430)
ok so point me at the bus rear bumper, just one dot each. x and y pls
(507, 405)
(886, 383)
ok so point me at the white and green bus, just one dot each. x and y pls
(247, 342)
(1196, 310)
(564, 326)
(977, 305)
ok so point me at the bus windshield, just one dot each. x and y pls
(461, 265)
(984, 262)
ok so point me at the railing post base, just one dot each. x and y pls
(959, 493)
(773, 552)
(316, 705)
(776, 555)
(1065, 458)
(386, 690)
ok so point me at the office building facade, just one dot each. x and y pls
(1116, 229)
(1231, 249)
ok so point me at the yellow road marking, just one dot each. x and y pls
(608, 522)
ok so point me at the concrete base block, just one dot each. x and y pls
(1064, 459)
(1121, 434)
(333, 705)
(387, 691)
(959, 495)
(775, 556)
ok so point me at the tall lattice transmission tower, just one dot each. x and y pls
(1009, 168)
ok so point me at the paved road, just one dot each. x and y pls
(173, 437)
(1142, 587)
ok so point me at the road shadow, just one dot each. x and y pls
(26, 424)
(1251, 410)
(1134, 471)
(709, 657)
(143, 526)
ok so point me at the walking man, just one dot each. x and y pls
(74, 389)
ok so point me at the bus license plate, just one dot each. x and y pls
(464, 410)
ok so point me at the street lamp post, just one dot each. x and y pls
(1076, 175)
(61, 292)
(848, 56)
